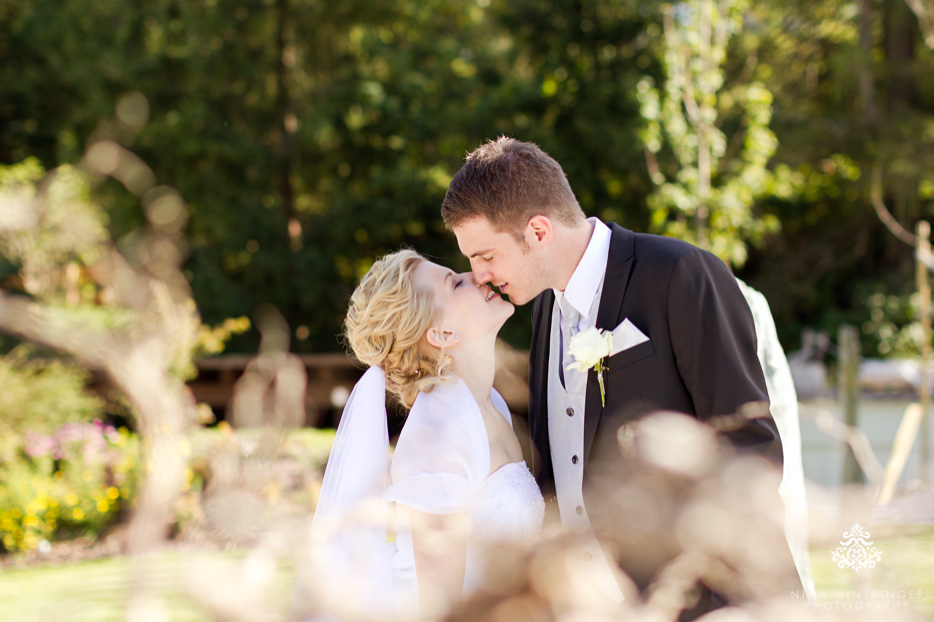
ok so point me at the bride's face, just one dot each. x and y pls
(462, 308)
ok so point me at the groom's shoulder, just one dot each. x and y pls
(661, 247)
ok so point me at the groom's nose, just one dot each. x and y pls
(480, 276)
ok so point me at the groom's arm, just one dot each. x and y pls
(714, 340)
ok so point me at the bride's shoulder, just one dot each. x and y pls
(437, 431)
(446, 407)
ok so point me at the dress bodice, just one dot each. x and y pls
(441, 465)
(507, 507)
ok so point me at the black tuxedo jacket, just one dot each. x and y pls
(700, 358)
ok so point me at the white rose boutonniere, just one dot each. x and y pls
(589, 348)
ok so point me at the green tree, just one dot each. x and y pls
(707, 140)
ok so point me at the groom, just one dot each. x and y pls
(684, 335)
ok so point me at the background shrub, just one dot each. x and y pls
(42, 394)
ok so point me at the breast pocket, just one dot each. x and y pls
(625, 358)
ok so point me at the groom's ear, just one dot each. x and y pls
(441, 338)
(539, 230)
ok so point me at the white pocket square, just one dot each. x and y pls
(626, 336)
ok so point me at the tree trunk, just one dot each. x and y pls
(901, 33)
(866, 86)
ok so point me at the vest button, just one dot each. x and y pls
(570, 412)
(579, 509)
(573, 459)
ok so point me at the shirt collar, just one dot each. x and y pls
(582, 288)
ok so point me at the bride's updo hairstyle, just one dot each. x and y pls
(386, 324)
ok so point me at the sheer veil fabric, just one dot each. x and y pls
(347, 566)
(441, 465)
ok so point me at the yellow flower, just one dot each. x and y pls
(103, 506)
(273, 492)
(112, 493)
(77, 514)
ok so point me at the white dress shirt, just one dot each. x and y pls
(566, 402)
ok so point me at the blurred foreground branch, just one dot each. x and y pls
(878, 204)
(924, 10)
(136, 324)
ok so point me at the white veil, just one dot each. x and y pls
(346, 571)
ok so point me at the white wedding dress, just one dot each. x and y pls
(442, 465)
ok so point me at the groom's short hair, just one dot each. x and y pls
(508, 181)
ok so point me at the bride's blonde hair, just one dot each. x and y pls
(386, 324)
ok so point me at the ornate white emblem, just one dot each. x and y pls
(856, 550)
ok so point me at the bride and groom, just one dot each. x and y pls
(683, 340)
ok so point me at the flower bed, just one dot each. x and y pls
(76, 481)
(83, 478)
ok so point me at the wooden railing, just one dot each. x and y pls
(331, 377)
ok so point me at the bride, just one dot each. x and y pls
(457, 480)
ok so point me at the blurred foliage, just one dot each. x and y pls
(50, 254)
(74, 482)
(41, 394)
(894, 324)
(309, 137)
(213, 339)
(852, 89)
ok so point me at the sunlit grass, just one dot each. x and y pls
(905, 573)
(96, 590)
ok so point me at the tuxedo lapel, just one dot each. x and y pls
(538, 384)
(618, 268)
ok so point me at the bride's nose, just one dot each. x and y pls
(467, 277)
(470, 279)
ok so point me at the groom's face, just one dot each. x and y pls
(497, 257)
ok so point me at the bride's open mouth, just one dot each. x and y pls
(493, 292)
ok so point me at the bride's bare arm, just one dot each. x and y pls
(440, 545)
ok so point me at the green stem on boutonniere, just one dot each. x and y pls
(599, 369)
